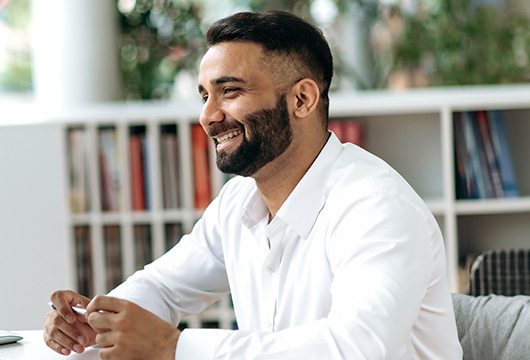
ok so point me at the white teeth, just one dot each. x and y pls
(228, 136)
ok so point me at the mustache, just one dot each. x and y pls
(217, 129)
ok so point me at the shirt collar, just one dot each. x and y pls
(254, 210)
(303, 205)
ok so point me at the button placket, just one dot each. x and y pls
(270, 269)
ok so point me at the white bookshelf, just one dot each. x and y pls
(412, 131)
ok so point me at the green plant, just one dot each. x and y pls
(15, 64)
(158, 40)
(454, 43)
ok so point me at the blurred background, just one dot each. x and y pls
(155, 45)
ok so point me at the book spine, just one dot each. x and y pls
(142, 245)
(492, 166)
(109, 159)
(502, 153)
(137, 182)
(463, 179)
(472, 150)
(201, 167)
(173, 234)
(85, 285)
(485, 171)
(146, 174)
(113, 256)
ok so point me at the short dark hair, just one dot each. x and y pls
(281, 33)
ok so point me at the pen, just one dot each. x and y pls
(75, 309)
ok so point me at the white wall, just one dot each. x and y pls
(33, 257)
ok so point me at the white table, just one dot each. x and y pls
(32, 347)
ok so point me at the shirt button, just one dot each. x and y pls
(270, 268)
(268, 323)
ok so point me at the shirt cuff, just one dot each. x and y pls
(198, 344)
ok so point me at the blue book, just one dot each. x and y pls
(473, 153)
(502, 153)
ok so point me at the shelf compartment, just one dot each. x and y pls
(477, 233)
(411, 144)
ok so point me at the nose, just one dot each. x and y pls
(211, 113)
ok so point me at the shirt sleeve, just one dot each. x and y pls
(383, 266)
(185, 280)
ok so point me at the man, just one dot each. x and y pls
(327, 252)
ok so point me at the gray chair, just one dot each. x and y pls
(493, 327)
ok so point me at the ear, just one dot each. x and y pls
(306, 96)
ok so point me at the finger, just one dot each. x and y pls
(101, 321)
(88, 333)
(105, 303)
(104, 339)
(64, 299)
(61, 342)
(64, 333)
(55, 346)
(106, 353)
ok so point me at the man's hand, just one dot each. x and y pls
(65, 331)
(127, 331)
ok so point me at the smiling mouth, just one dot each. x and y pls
(225, 139)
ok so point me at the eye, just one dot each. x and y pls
(204, 98)
(230, 90)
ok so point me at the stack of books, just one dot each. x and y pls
(483, 163)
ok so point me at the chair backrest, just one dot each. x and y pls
(493, 327)
(501, 272)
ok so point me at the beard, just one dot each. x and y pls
(270, 134)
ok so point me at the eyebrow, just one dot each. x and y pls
(222, 80)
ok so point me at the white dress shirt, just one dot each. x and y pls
(355, 270)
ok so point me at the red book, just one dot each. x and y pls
(137, 181)
(201, 167)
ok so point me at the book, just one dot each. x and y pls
(83, 254)
(201, 167)
(142, 245)
(137, 173)
(485, 172)
(140, 173)
(491, 164)
(109, 169)
(472, 152)
(170, 167)
(173, 234)
(146, 173)
(113, 263)
(502, 153)
(78, 175)
(464, 184)
(483, 165)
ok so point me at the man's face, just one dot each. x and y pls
(243, 113)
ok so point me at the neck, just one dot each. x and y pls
(276, 180)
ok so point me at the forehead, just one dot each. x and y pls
(244, 60)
